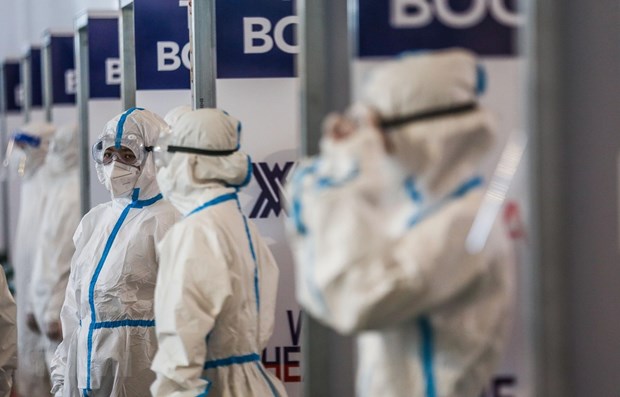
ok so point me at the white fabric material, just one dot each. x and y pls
(210, 129)
(32, 377)
(174, 114)
(58, 223)
(379, 240)
(8, 337)
(63, 150)
(216, 290)
(113, 271)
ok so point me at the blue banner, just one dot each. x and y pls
(255, 39)
(162, 44)
(63, 70)
(36, 78)
(103, 58)
(12, 83)
(390, 27)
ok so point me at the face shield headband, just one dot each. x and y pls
(26, 139)
(163, 151)
(388, 124)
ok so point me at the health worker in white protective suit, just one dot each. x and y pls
(8, 337)
(59, 220)
(32, 377)
(107, 318)
(378, 228)
(216, 290)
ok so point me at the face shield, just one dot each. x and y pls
(129, 150)
(27, 143)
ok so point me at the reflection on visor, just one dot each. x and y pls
(9, 152)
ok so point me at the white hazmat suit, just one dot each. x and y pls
(58, 223)
(32, 377)
(217, 283)
(174, 114)
(379, 239)
(107, 317)
(8, 337)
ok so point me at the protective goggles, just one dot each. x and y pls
(128, 150)
(164, 151)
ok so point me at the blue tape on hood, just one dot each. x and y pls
(121, 125)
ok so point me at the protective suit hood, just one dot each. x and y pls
(175, 114)
(187, 175)
(147, 126)
(63, 150)
(439, 151)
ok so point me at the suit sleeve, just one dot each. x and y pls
(70, 320)
(352, 273)
(8, 337)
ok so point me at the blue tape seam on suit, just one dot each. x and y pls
(226, 362)
(121, 125)
(271, 386)
(461, 191)
(253, 252)
(426, 355)
(218, 200)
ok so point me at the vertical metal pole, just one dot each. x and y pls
(26, 78)
(46, 78)
(5, 182)
(83, 93)
(548, 202)
(313, 71)
(203, 50)
(324, 70)
(127, 39)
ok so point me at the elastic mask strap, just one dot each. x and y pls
(203, 152)
(431, 114)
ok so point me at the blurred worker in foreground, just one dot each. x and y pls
(216, 289)
(57, 225)
(107, 317)
(32, 139)
(8, 337)
(378, 228)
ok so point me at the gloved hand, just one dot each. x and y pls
(54, 331)
(341, 127)
(32, 323)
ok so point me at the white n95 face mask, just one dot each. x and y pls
(120, 179)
